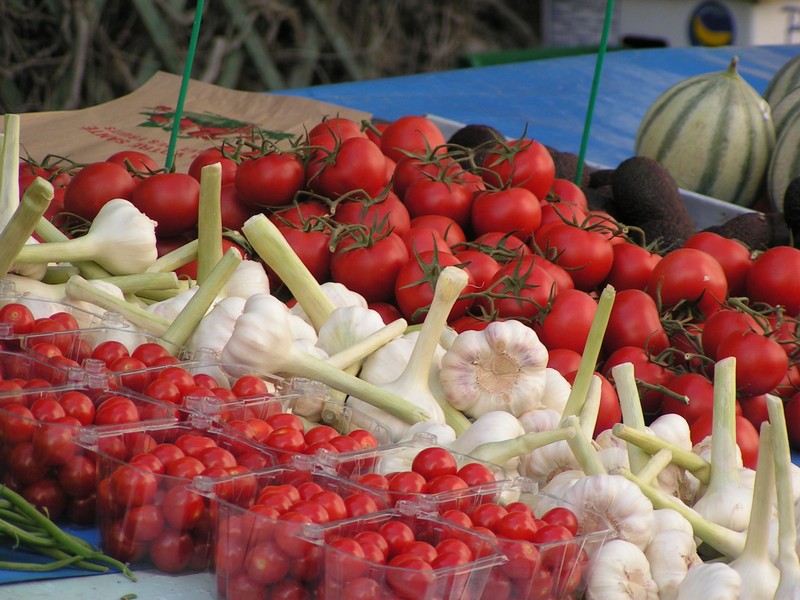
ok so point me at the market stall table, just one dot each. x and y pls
(545, 100)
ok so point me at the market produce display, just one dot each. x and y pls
(376, 361)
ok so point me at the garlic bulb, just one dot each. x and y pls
(502, 367)
(347, 325)
(249, 278)
(620, 571)
(387, 362)
(612, 501)
(338, 294)
(710, 581)
(497, 425)
(215, 329)
(668, 518)
(671, 554)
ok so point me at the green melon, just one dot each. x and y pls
(784, 165)
(783, 81)
(785, 110)
(714, 133)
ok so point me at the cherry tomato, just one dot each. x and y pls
(171, 551)
(78, 476)
(562, 516)
(19, 316)
(346, 562)
(434, 461)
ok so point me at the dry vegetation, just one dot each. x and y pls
(64, 54)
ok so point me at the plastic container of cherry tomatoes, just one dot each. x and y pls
(19, 371)
(40, 453)
(404, 553)
(265, 522)
(147, 512)
(548, 551)
(114, 346)
(235, 395)
(24, 314)
(416, 469)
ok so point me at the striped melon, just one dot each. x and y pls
(785, 110)
(783, 81)
(785, 163)
(714, 133)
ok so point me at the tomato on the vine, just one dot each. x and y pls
(94, 185)
(169, 199)
(512, 210)
(269, 180)
(689, 275)
(411, 134)
(370, 265)
(521, 162)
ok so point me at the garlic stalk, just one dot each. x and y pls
(620, 571)
(339, 296)
(121, 239)
(187, 320)
(653, 467)
(788, 563)
(588, 362)
(544, 463)
(726, 501)
(728, 542)
(581, 446)
(632, 413)
(710, 581)
(671, 553)
(759, 575)
(262, 339)
(272, 247)
(209, 221)
(50, 233)
(501, 367)
(603, 501)
(690, 461)
(79, 289)
(20, 226)
(9, 168)
(494, 426)
(503, 451)
(368, 345)
(175, 259)
(591, 407)
(413, 382)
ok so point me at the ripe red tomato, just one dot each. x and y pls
(94, 185)
(212, 156)
(138, 161)
(567, 321)
(689, 275)
(635, 321)
(721, 324)
(563, 516)
(511, 210)
(370, 266)
(697, 388)
(522, 162)
(452, 233)
(356, 164)
(340, 128)
(733, 256)
(269, 180)
(631, 267)
(567, 191)
(610, 412)
(645, 370)
(381, 214)
(171, 551)
(439, 197)
(169, 199)
(761, 363)
(434, 461)
(773, 277)
(411, 134)
(585, 253)
(414, 286)
(19, 317)
(520, 289)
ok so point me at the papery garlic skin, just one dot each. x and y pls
(710, 581)
(346, 326)
(249, 278)
(603, 501)
(338, 294)
(493, 426)
(620, 571)
(671, 554)
(665, 519)
(216, 327)
(502, 367)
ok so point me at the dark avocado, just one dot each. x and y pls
(478, 138)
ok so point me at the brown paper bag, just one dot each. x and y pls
(143, 119)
